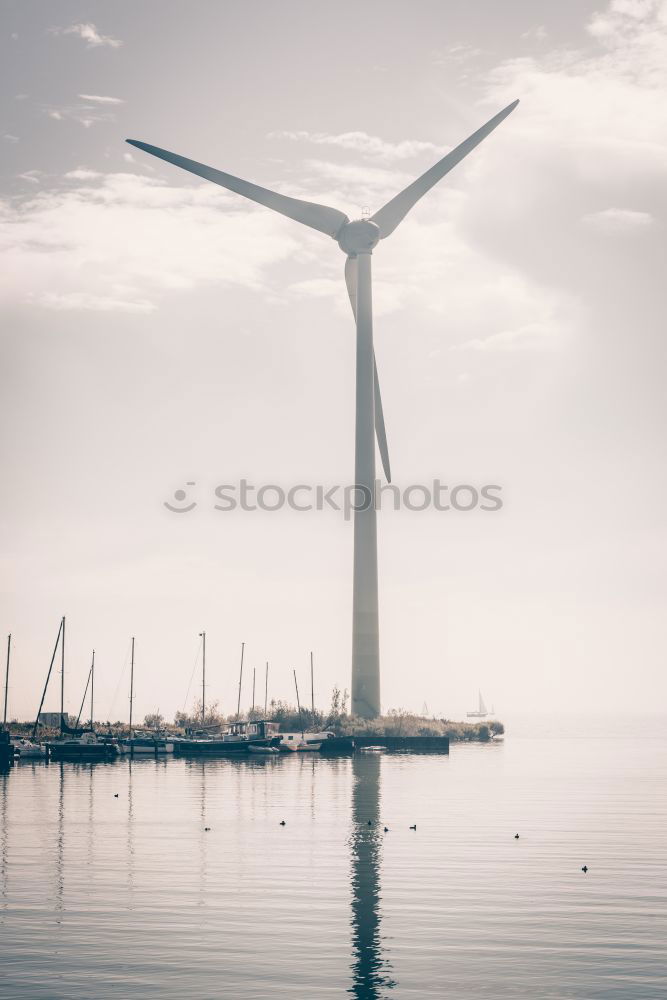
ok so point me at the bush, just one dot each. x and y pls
(396, 722)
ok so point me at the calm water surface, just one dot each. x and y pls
(130, 897)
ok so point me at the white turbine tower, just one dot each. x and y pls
(357, 240)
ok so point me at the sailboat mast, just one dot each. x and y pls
(238, 704)
(312, 689)
(92, 689)
(253, 689)
(298, 703)
(203, 678)
(9, 646)
(266, 688)
(131, 685)
(48, 677)
(62, 676)
(85, 693)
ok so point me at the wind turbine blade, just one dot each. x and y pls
(380, 431)
(320, 217)
(351, 282)
(389, 216)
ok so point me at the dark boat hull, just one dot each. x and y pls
(218, 748)
(6, 751)
(74, 752)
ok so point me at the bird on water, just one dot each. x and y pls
(516, 836)
(585, 869)
(414, 827)
(283, 823)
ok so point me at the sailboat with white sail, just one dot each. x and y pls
(481, 712)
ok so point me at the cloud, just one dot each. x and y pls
(32, 176)
(538, 33)
(82, 174)
(121, 242)
(610, 25)
(364, 144)
(460, 54)
(92, 303)
(87, 114)
(618, 220)
(101, 100)
(433, 268)
(68, 248)
(598, 111)
(8, 137)
(530, 336)
(90, 35)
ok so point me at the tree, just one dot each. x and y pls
(154, 721)
(193, 719)
(338, 708)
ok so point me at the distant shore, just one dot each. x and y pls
(394, 723)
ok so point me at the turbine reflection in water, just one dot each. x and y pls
(370, 971)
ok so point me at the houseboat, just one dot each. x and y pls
(237, 738)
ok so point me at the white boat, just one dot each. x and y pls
(254, 748)
(481, 712)
(27, 750)
(300, 742)
(19, 746)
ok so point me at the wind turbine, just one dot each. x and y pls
(357, 239)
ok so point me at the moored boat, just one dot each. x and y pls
(87, 746)
(300, 742)
(236, 739)
(6, 750)
(27, 749)
(146, 745)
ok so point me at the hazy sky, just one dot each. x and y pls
(158, 330)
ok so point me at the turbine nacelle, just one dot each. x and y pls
(360, 236)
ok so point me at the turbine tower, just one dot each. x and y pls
(357, 240)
